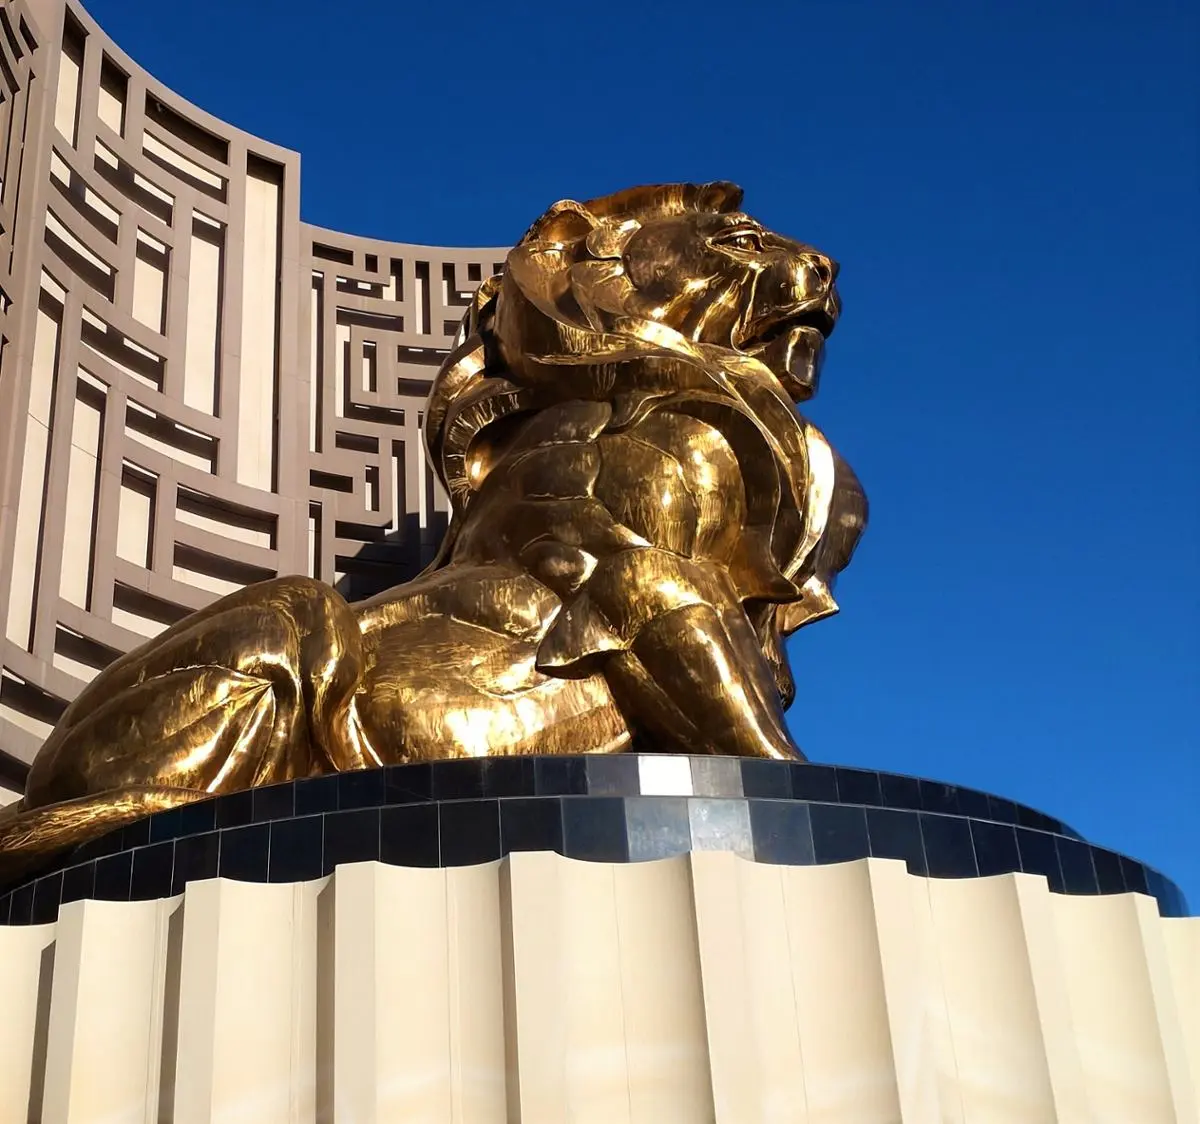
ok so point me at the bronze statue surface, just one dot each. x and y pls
(639, 517)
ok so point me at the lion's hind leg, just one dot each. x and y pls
(254, 690)
(29, 836)
(203, 728)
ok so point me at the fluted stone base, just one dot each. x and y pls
(537, 988)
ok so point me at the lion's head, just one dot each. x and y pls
(682, 257)
(672, 277)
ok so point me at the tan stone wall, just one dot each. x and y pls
(197, 390)
(541, 989)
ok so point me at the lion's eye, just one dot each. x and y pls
(746, 240)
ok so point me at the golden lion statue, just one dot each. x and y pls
(639, 517)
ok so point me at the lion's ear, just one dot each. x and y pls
(721, 196)
(565, 221)
(610, 237)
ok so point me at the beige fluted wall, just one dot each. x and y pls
(541, 989)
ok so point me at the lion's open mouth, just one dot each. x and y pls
(791, 343)
(816, 315)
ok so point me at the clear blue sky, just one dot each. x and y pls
(1012, 190)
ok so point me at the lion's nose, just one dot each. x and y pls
(822, 269)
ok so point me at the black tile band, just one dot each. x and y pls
(625, 808)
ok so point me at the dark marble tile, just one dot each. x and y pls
(407, 784)
(46, 895)
(152, 868)
(1134, 874)
(350, 837)
(1039, 855)
(939, 798)
(1038, 821)
(1169, 898)
(297, 847)
(113, 875)
(1078, 870)
(195, 859)
(166, 825)
(469, 832)
(613, 774)
(900, 792)
(894, 833)
(839, 833)
(107, 844)
(720, 825)
(716, 776)
(594, 829)
(315, 795)
(79, 882)
(814, 782)
(767, 780)
(782, 832)
(136, 834)
(244, 852)
(235, 809)
(408, 835)
(657, 827)
(995, 848)
(949, 850)
(1109, 877)
(1156, 886)
(363, 788)
(508, 776)
(198, 817)
(974, 804)
(274, 802)
(458, 780)
(20, 907)
(1002, 810)
(858, 786)
(531, 824)
(560, 776)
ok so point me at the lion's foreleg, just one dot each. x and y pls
(678, 652)
(689, 676)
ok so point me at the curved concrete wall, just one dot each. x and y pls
(542, 989)
(197, 390)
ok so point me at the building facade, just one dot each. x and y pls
(197, 389)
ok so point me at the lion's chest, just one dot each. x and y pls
(670, 481)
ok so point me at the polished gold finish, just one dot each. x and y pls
(640, 516)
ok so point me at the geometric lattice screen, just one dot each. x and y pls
(197, 390)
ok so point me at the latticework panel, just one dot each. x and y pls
(381, 316)
(197, 390)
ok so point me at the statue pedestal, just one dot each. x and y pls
(618, 808)
(403, 944)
